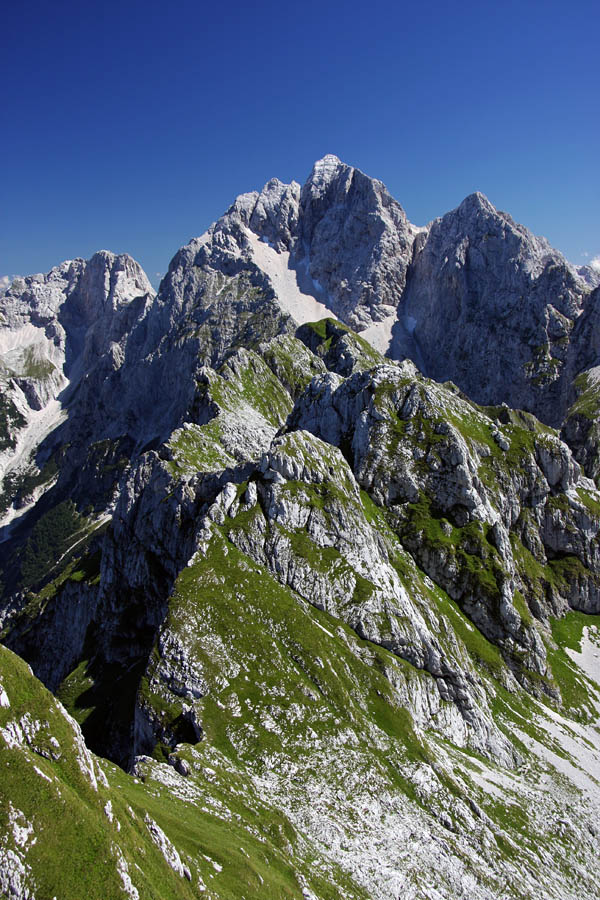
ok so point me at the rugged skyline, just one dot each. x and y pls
(132, 128)
(318, 624)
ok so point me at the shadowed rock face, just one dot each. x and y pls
(61, 333)
(497, 311)
(357, 241)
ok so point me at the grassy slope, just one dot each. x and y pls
(233, 843)
(286, 681)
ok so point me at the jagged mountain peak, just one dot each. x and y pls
(105, 278)
(476, 220)
(324, 591)
(325, 170)
(333, 181)
(56, 328)
(114, 280)
(330, 160)
(340, 241)
(341, 245)
(474, 203)
(476, 217)
(590, 274)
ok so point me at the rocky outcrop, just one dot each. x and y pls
(457, 487)
(69, 317)
(60, 331)
(474, 297)
(241, 540)
(355, 241)
(580, 428)
(494, 309)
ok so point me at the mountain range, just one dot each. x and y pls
(300, 579)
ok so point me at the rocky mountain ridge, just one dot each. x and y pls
(255, 557)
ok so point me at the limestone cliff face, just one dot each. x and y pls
(69, 316)
(496, 310)
(455, 478)
(341, 241)
(60, 333)
(356, 240)
(474, 297)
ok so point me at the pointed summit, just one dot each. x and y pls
(475, 202)
(327, 166)
(326, 172)
(328, 159)
(333, 181)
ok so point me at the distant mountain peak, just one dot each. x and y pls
(314, 583)
(329, 161)
(477, 201)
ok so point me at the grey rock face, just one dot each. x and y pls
(581, 427)
(58, 309)
(307, 486)
(274, 544)
(475, 297)
(493, 308)
(436, 462)
(59, 332)
(356, 241)
(341, 239)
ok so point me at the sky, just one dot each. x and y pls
(131, 126)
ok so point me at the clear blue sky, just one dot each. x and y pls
(131, 126)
